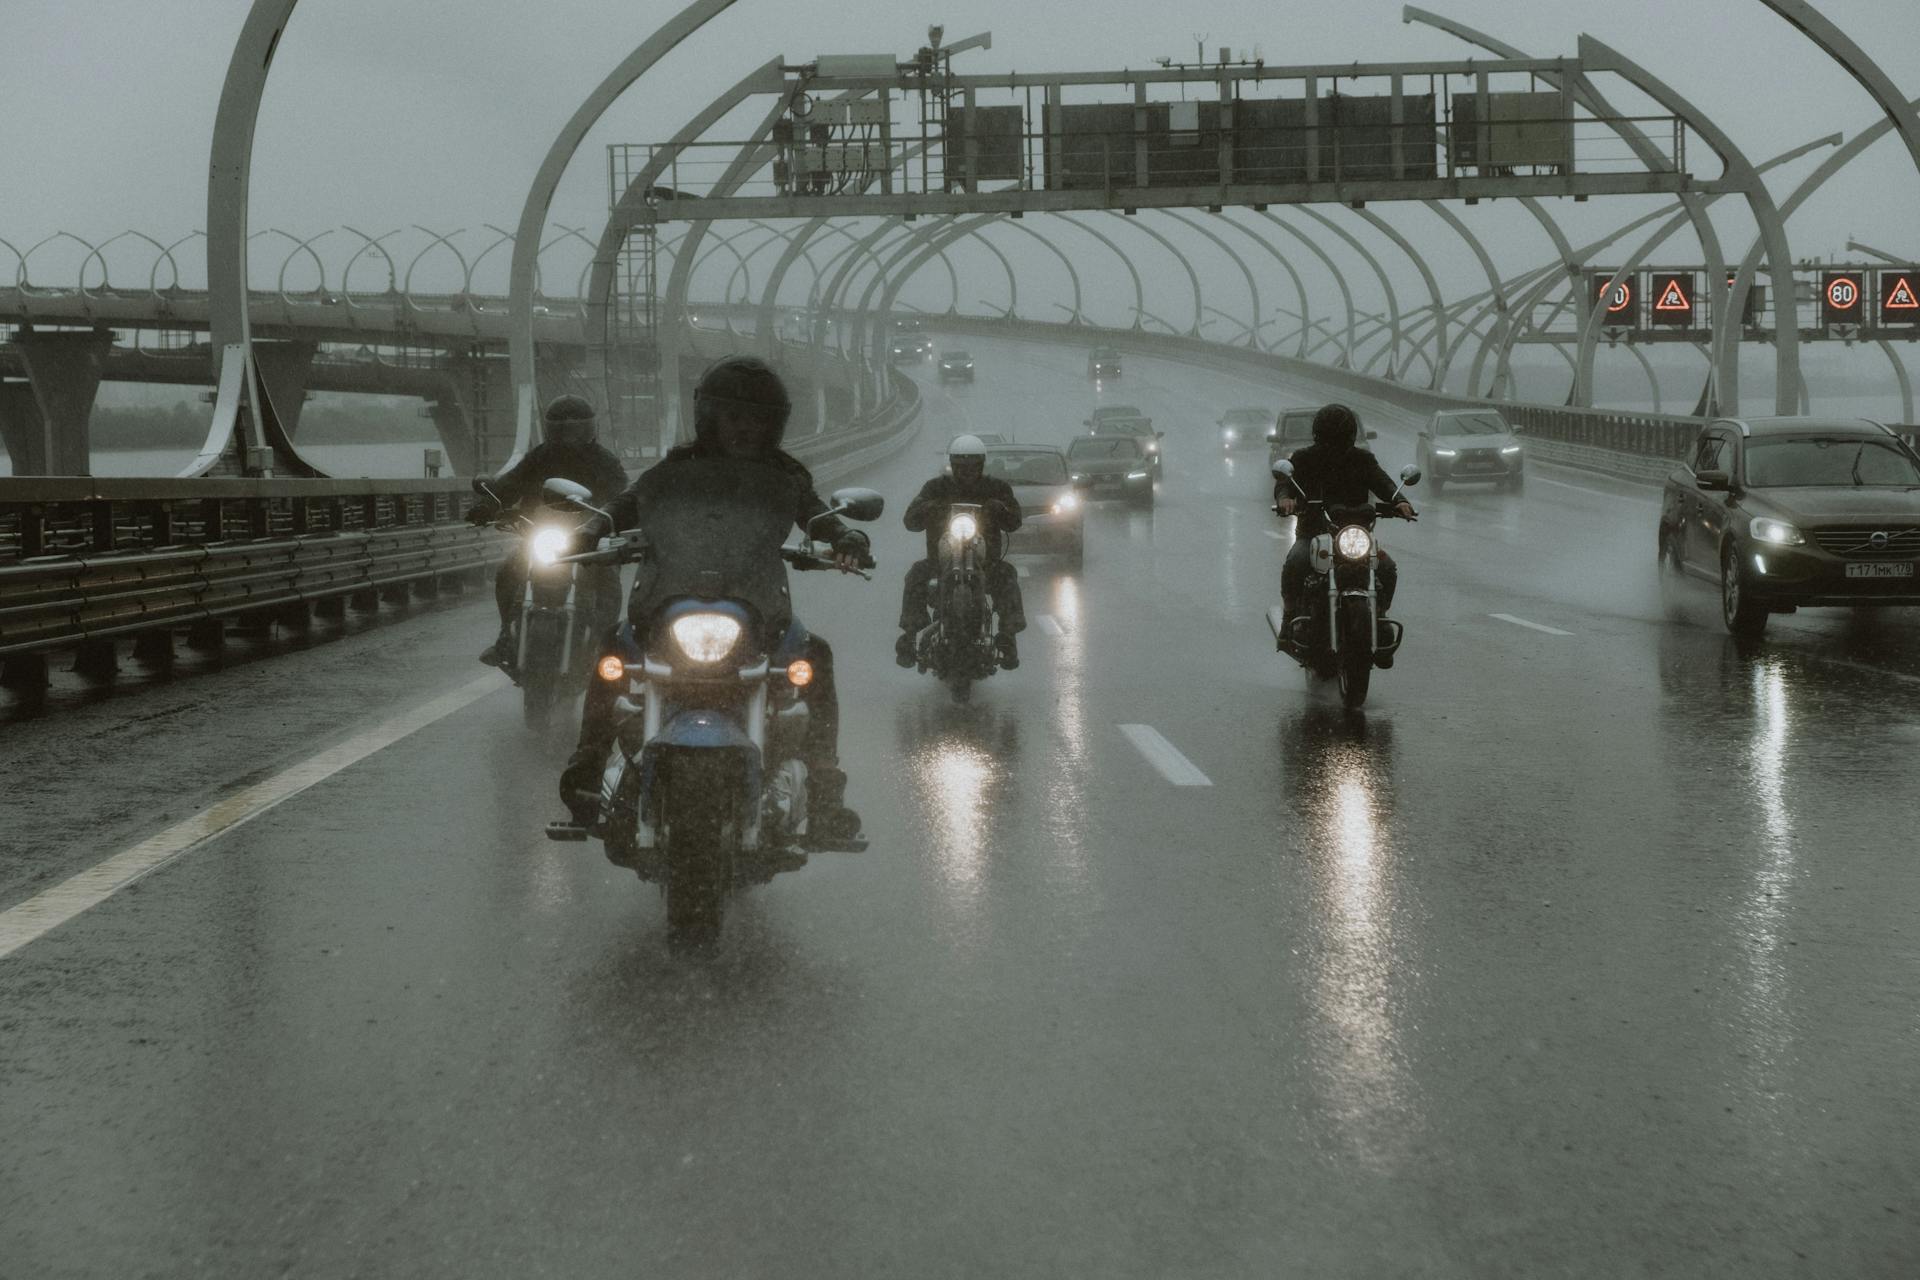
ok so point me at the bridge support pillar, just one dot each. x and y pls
(284, 369)
(44, 420)
(473, 415)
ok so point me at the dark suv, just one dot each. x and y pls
(1784, 512)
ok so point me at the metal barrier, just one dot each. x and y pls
(143, 556)
(85, 561)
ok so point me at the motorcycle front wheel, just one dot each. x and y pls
(695, 894)
(539, 690)
(1355, 674)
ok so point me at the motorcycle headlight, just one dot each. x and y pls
(548, 544)
(1066, 503)
(1778, 532)
(706, 637)
(963, 527)
(1353, 543)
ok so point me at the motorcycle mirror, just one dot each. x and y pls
(857, 504)
(1409, 476)
(480, 485)
(1373, 435)
(566, 490)
(1283, 468)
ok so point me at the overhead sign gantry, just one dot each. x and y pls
(872, 135)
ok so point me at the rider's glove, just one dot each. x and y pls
(856, 544)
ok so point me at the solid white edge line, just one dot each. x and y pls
(1531, 626)
(24, 922)
(1049, 625)
(1164, 756)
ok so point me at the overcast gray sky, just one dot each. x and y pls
(384, 113)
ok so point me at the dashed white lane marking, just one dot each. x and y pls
(1049, 625)
(1531, 626)
(44, 912)
(1165, 757)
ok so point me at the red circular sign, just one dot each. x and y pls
(1620, 298)
(1843, 293)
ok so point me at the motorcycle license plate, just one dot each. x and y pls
(1880, 571)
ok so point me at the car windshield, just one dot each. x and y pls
(1106, 353)
(1471, 424)
(1247, 417)
(1092, 447)
(1027, 468)
(957, 355)
(1828, 461)
(1122, 427)
(1296, 426)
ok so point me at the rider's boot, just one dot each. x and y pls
(580, 781)
(502, 651)
(1006, 651)
(903, 649)
(829, 822)
(1382, 637)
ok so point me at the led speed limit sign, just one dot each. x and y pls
(1620, 303)
(1841, 296)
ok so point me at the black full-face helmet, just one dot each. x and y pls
(568, 420)
(1336, 425)
(741, 382)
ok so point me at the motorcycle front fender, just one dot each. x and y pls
(705, 745)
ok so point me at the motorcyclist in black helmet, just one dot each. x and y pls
(1336, 470)
(734, 463)
(966, 481)
(567, 452)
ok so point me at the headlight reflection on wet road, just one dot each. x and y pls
(1769, 1019)
(1356, 974)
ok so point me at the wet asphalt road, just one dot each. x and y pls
(1578, 954)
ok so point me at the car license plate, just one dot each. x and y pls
(1879, 571)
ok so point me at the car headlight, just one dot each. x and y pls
(1446, 453)
(1778, 532)
(1353, 543)
(1153, 448)
(1512, 448)
(1076, 477)
(549, 544)
(1136, 475)
(1066, 503)
(963, 527)
(706, 637)
(1232, 435)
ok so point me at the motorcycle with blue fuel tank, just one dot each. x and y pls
(704, 792)
(1338, 634)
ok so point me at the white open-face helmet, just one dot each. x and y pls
(967, 447)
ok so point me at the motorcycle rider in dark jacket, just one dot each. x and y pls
(966, 481)
(734, 465)
(568, 452)
(1336, 470)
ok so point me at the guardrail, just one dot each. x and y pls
(85, 561)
